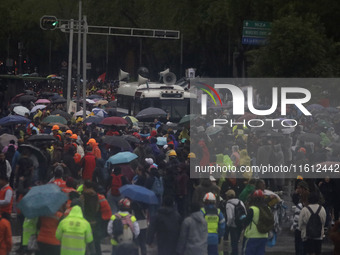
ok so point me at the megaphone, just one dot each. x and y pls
(123, 75)
(161, 74)
(142, 80)
(169, 78)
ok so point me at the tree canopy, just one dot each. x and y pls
(304, 40)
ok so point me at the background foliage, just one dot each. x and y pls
(304, 40)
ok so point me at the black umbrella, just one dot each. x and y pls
(30, 92)
(46, 94)
(116, 141)
(62, 113)
(94, 97)
(150, 112)
(27, 99)
(41, 137)
(36, 151)
(60, 100)
(131, 138)
(94, 119)
(111, 104)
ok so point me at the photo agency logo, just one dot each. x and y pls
(242, 98)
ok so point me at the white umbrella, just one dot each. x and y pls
(21, 110)
(90, 101)
(38, 107)
(80, 113)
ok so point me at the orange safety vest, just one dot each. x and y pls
(60, 182)
(105, 208)
(6, 208)
(68, 189)
(48, 227)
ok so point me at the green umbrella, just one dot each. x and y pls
(55, 119)
(187, 118)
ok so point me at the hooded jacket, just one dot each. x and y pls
(193, 236)
(167, 226)
(74, 232)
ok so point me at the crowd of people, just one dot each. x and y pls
(192, 216)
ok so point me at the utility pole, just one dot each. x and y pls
(79, 56)
(69, 73)
(84, 65)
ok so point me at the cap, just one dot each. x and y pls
(258, 193)
(209, 197)
(69, 132)
(55, 127)
(172, 153)
(212, 178)
(149, 161)
(74, 136)
(124, 203)
(191, 155)
(230, 193)
(91, 141)
(299, 177)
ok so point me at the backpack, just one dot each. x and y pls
(314, 224)
(157, 186)
(240, 215)
(116, 184)
(266, 220)
(122, 228)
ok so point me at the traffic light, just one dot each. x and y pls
(48, 22)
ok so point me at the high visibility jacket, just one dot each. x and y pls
(105, 208)
(48, 227)
(29, 228)
(5, 236)
(60, 182)
(74, 232)
(216, 225)
(8, 207)
(251, 230)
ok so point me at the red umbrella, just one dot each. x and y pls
(101, 91)
(16, 98)
(115, 121)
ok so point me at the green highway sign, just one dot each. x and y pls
(257, 24)
(255, 32)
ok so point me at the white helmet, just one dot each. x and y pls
(209, 197)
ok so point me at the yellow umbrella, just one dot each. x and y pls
(130, 119)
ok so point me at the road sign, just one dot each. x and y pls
(257, 24)
(254, 40)
(255, 32)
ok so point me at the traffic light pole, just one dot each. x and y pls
(79, 58)
(69, 73)
(71, 26)
(84, 65)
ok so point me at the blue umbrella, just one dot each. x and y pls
(12, 120)
(122, 158)
(139, 193)
(161, 141)
(42, 200)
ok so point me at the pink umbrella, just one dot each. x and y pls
(42, 101)
(116, 121)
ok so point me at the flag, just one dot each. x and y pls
(101, 77)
